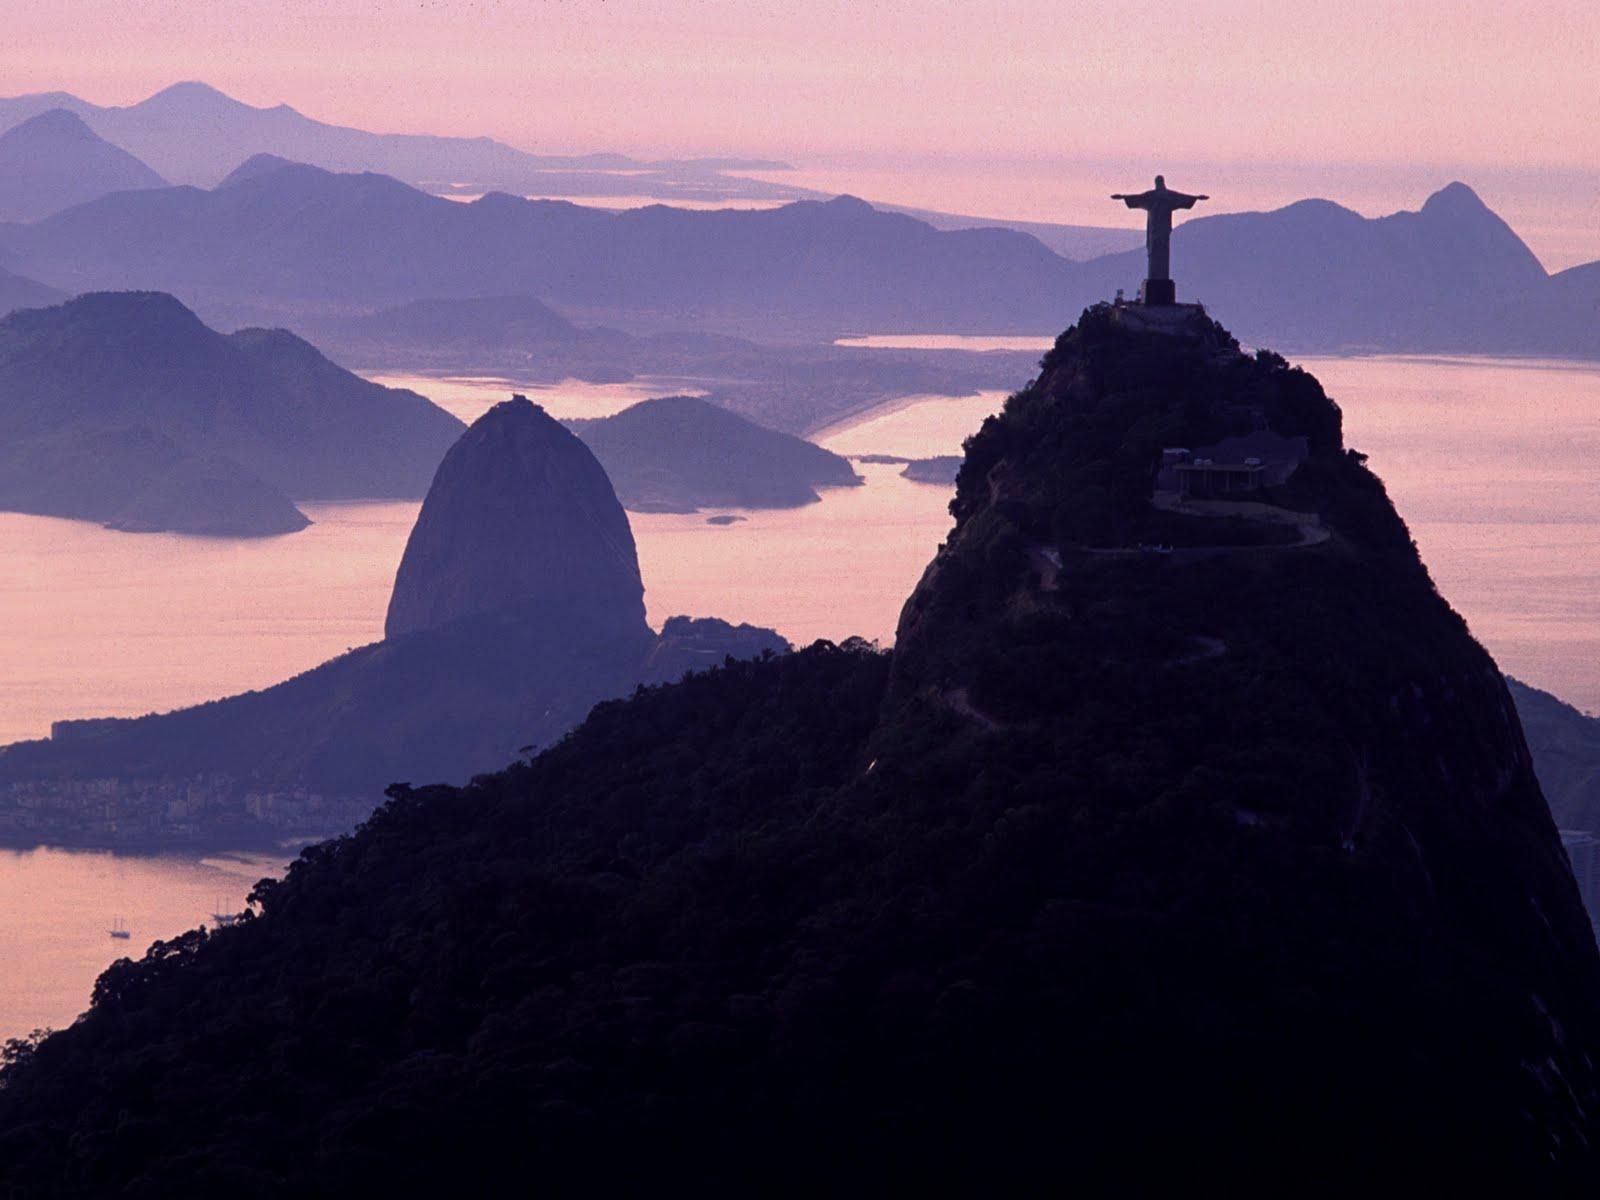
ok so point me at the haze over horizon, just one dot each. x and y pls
(1030, 115)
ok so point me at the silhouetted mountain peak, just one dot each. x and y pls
(521, 514)
(1320, 210)
(55, 160)
(50, 99)
(1471, 229)
(194, 98)
(510, 418)
(55, 124)
(1456, 197)
(110, 316)
(287, 347)
(847, 204)
(258, 165)
(492, 201)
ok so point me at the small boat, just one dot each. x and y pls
(224, 919)
(119, 930)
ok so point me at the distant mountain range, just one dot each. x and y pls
(194, 134)
(791, 387)
(124, 408)
(1452, 276)
(285, 238)
(304, 239)
(53, 161)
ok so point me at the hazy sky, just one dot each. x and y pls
(1377, 98)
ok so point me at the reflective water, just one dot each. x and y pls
(835, 569)
(943, 341)
(97, 623)
(57, 907)
(1490, 462)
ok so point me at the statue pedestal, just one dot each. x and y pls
(1158, 292)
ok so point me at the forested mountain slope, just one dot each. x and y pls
(1227, 862)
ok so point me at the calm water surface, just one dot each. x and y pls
(1490, 462)
(943, 341)
(56, 907)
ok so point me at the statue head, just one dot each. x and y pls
(1161, 181)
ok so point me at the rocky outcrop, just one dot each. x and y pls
(520, 513)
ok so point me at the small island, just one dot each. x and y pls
(940, 470)
(681, 454)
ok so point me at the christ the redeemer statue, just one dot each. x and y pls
(1159, 202)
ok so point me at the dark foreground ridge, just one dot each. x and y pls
(1180, 838)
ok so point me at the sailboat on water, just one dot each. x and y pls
(224, 919)
(119, 930)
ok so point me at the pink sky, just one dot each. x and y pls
(1382, 99)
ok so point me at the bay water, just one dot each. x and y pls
(1490, 461)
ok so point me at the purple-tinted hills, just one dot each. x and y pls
(298, 241)
(17, 291)
(193, 133)
(138, 402)
(54, 161)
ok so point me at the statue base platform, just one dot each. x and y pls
(1175, 320)
(1158, 291)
